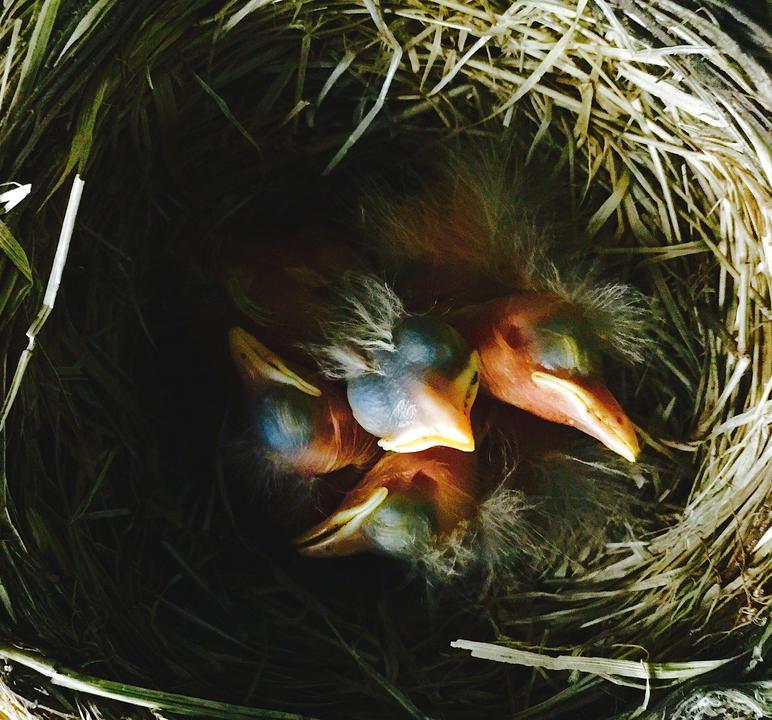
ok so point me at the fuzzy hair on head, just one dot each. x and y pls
(492, 546)
(617, 314)
(360, 327)
(481, 224)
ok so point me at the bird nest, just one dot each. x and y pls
(130, 583)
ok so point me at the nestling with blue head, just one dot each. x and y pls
(411, 380)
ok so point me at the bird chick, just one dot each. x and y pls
(401, 505)
(300, 427)
(538, 353)
(411, 380)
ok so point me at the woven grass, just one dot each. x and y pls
(129, 575)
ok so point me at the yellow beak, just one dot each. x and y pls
(257, 364)
(443, 415)
(341, 533)
(594, 410)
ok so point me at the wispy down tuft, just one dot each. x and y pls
(481, 223)
(547, 518)
(620, 316)
(362, 326)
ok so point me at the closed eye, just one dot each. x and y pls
(514, 337)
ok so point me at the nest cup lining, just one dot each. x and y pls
(116, 521)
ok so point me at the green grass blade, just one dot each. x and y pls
(10, 246)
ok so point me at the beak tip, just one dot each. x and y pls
(594, 411)
(393, 445)
(630, 456)
(341, 533)
(631, 450)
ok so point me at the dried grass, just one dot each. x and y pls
(181, 115)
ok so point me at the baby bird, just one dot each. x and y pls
(531, 337)
(403, 505)
(300, 427)
(538, 353)
(411, 380)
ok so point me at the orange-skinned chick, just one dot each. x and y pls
(538, 353)
(402, 505)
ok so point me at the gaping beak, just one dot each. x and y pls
(592, 409)
(341, 533)
(443, 414)
(257, 364)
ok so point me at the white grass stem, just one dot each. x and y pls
(54, 280)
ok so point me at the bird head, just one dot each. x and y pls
(298, 426)
(539, 353)
(422, 391)
(397, 509)
(411, 380)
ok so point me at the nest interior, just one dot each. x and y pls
(125, 556)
